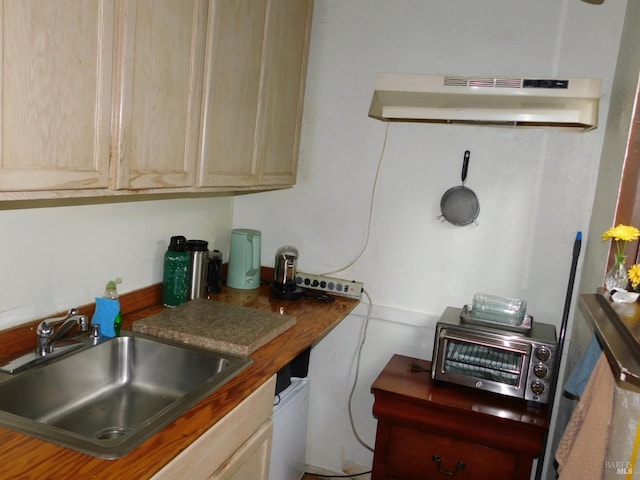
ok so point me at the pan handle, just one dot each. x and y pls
(465, 165)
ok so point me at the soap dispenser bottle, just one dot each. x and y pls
(111, 292)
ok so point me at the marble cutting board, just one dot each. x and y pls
(217, 326)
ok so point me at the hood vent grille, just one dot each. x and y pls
(451, 81)
(569, 103)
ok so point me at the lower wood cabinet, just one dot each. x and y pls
(235, 448)
(251, 461)
(430, 431)
(412, 453)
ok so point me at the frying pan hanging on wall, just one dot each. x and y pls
(459, 205)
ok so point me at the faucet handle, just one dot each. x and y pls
(83, 323)
(95, 330)
(95, 334)
(49, 321)
(45, 329)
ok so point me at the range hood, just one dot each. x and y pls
(570, 103)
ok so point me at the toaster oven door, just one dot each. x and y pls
(484, 361)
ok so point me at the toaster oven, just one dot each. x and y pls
(515, 364)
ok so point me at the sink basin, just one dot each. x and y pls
(107, 399)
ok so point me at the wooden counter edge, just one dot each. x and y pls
(27, 457)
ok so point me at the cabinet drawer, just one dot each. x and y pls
(412, 455)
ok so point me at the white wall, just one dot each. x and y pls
(535, 187)
(57, 257)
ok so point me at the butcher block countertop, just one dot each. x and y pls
(25, 457)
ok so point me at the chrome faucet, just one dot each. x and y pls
(47, 335)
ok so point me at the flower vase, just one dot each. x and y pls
(617, 276)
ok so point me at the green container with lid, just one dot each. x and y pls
(175, 277)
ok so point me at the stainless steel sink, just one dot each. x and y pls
(107, 399)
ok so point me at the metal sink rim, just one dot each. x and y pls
(118, 446)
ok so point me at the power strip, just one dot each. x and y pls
(335, 286)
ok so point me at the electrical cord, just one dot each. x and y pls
(355, 380)
(366, 294)
(373, 195)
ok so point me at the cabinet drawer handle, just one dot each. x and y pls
(459, 466)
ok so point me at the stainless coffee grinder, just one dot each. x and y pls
(284, 277)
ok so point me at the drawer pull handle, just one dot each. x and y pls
(459, 466)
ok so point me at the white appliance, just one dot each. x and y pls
(289, 441)
(568, 103)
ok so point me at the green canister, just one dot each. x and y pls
(175, 280)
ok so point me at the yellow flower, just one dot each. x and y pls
(625, 233)
(634, 275)
(621, 234)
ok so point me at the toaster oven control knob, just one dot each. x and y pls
(537, 387)
(543, 354)
(540, 370)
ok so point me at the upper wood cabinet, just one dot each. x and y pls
(113, 97)
(254, 90)
(284, 76)
(56, 100)
(159, 96)
(231, 91)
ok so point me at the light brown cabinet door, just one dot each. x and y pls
(56, 100)
(159, 96)
(112, 94)
(235, 448)
(284, 77)
(254, 87)
(251, 460)
(232, 86)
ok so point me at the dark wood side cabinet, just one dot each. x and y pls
(429, 430)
